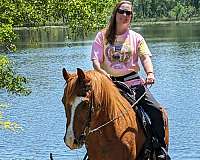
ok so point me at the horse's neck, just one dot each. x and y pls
(117, 137)
(113, 110)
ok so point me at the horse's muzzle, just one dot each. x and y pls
(73, 143)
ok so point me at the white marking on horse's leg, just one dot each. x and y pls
(69, 138)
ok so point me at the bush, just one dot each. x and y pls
(9, 80)
(7, 36)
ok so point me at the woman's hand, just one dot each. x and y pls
(150, 78)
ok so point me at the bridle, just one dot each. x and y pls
(86, 129)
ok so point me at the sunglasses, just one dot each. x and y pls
(121, 11)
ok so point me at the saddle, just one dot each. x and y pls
(152, 144)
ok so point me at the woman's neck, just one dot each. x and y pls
(121, 30)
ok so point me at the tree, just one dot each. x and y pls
(177, 11)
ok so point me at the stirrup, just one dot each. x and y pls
(163, 154)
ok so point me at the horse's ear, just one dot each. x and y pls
(66, 75)
(81, 74)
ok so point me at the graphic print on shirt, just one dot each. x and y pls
(118, 55)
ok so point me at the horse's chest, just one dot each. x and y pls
(110, 149)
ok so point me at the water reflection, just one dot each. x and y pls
(57, 36)
(172, 32)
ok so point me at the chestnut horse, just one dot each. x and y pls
(101, 118)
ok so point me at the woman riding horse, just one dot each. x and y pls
(99, 116)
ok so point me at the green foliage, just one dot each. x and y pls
(175, 9)
(189, 12)
(7, 36)
(149, 9)
(182, 12)
(80, 16)
(11, 81)
(24, 12)
(6, 33)
(7, 12)
(84, 16)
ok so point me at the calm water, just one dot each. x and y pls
(41, 57)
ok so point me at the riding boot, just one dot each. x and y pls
(162, 154)
(161, 149)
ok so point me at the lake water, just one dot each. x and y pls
(43, 53)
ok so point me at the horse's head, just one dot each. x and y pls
(76, 97)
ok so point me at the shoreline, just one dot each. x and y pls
(134, 23)
(164, 22)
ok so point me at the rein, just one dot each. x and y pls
(123, 113)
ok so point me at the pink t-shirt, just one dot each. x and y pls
(122, 57)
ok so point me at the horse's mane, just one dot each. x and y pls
(107, 94)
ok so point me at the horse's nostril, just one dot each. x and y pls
(82, 137)
(75, 141)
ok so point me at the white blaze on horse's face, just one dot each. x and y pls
(69, 138)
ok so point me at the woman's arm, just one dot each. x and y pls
(97, 54)
(148, 67)
(96, 66)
